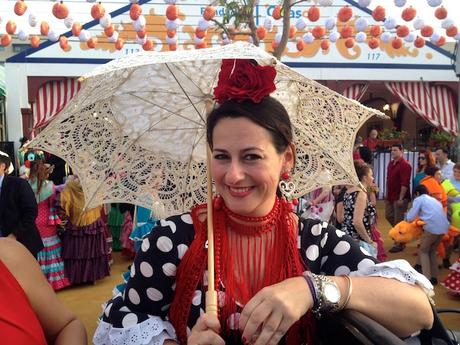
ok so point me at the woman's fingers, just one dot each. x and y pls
(271, 330)
(206, 331)
(207, 321)
(258, 322)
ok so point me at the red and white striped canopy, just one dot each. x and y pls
(355, 91)
(434, 103)
(51, 98)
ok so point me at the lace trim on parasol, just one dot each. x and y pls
(153, 331)
(397, 269)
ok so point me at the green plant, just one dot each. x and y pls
(391, 133)
(441, 136)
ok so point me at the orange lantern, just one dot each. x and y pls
(44, 28)
(274, 44)
(441, 41)
(426, 31)
(201, 45)
(172, 46)
(346, 32)
(34, 41)
(172, 12)
(171, 33)
(109, 30)
(440, 13)
(20, 7)
(97, 11)
(419, 42)
(350, 42)
(148, 45)
(397, 43)
(325, 44)
(200, 33)
(452, 31)
(91, 43)
(209, 12)
(6, 40)
(141, 33)
(345, 14)
(408, 14)
(313, 14)
(276, 12)
(60, 10)
(261, 32)
(299, 45)
(63, 43)
(76, 29)
(11, 27)
(135, 11)
(318, 31)
(119, 44)
(379, 14)
(375, 30)
(373, 43)
(402, 31)
(292, 31)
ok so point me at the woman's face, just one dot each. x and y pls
(421, 159)
(368, 179)
(246, 167)
(437, 176)
(457, 174)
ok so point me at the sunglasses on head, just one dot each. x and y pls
(421, 157)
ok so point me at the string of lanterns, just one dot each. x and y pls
(344, 25)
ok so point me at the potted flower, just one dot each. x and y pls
(391, 136)
(439, 138)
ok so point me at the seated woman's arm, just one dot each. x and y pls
(59, 324)
(358, 215)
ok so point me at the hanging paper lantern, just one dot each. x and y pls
(20, 7)
(172, 12)
(22, 35)
(44, 28)
(451, 31)
(60, 10)
(330, 23)
(419, 42)
(203, 24)
(402, 31)
(447, 23)
(276, 12)
(408, 14)
(299, 44)
(32, 20)
(325, 44)
(410, 37)
(76, 29)
(201, 45)
(350, 42)
(6, 40)
(292, 31)
(106, 20)
(441, 41)
(318, 31)
(200, 33)
(364, 3)
(268, 23)
(440, 13)
(170, 24)
(53, 36)
(63, 43)
(68, 21)
(419, 23)
(139, 23)
(119, 44)
(109, 30)
(172, 47)
(171, 33)
(141, 40)
(148, 45)
(135, 11)
(345, 14)
(209, 12)
(34, 41)
(84, 36)
(141, 33)
(385, 37)
(114, 37)
(373, 43)
(390, 23)
(375, 30)
(434, 3)
(334, 36)
(347, 31)
(278, 37)
(400, 3)
(361, 24)
(308, 37)
(361, 37)
(301, 23)
(379, 14)
(171, 40)
(11, 27)
(91, 43)
(397, 43)
(325, 3)
(426, 31)
(435, 37)
(97, 11)
(313, 13)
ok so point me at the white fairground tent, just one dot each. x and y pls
(424, 79)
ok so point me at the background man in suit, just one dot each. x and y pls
(18, 209)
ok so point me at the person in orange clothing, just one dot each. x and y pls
(432, 181)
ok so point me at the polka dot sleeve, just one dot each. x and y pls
(330, 251)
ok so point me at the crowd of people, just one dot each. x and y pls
(277, 272)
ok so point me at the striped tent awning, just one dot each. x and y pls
(51, 98)
(434, 103)
(355, 91)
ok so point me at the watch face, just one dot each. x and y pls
(332, 293)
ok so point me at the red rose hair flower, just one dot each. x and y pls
(242, 79)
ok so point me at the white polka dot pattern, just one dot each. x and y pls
(154, 294)
(365, 263)
(181, 250)
(342, 248)
(168, 223)
(312, 252)
(164, 244)
(129, 320)
(169, 269)
(186, 218)
(342, 270)
(145, 245)
(146, 269)
(134, 296)
(316, 229)
(196, 300)
(324, 240)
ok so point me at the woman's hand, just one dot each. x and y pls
(273, 310)
(206, 331)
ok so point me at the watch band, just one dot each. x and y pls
(323, 303)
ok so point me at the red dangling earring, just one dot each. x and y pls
(287, 189)
(218, 202)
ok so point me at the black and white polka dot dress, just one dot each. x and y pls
(349, 202)
(150, 289)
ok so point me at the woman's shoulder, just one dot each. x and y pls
(17, 259)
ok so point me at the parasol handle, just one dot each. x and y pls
(211, 294)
